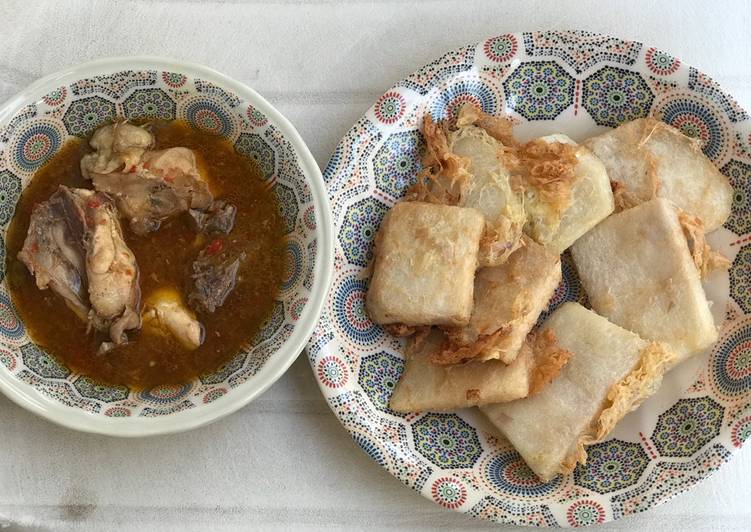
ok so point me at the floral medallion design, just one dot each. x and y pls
(539, 90)
(390, 107)
(150, 103)
(508, 475)
(85, 115)
(10, 190)
(739, 174)
(209, 115)
(478, 91)
(502, 48)
(615, 95)
(348, 306)
(585, 513)
(332, 372)
(741, 431)
(397, 162)
(696, 119)
(360, 226)
(253, 146)
(34, 145)
(611, 466)
(41, 363)
(730, 362)
(446, 440)
(449, 492)
(740, 279)
(687, 426)
(379, 374)
(661, 63)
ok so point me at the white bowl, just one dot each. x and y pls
(36, 123)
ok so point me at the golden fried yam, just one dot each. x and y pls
(508, 299)
(638, 272)
(425, 261)
(652, 159)
(427, 386)
(609, 373)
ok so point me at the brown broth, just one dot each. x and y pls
(164, 258)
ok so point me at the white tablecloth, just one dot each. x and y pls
(284, 462)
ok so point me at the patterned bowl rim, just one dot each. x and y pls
(317, 346)
(31, 399)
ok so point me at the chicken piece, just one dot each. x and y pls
(53, 250)
(214, 275)
(179, 168)
(75, 247)
(111, 268)
(143, 202)
(165, 313)
(165, 184)
(118, 146)
(219, 219)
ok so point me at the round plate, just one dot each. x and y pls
(577, 83)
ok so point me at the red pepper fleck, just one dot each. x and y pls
(94, 204)
(169, 178)
(215, 247)
(132, 170)
(35, 247)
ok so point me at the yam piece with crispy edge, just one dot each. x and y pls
(487, 188)
(591, 199)
(609, 373)
(426, 386)
(425, 262)
(638, 272)
(462, 168)
(508, 299)
(649, 159)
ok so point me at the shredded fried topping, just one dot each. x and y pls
(626, 395)
(450, 353)
(400, 329)
(549, 359)
(499, 241)
(541, 178)
(706, 259)
(546, 167)
(623, 397)
(500, 128)
(622, 197)
(443, 171)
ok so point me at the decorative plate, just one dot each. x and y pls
(35, 125)
(578, 83)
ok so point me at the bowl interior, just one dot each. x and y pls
(32, 134)
(577, 83)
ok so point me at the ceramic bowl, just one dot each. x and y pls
(36, 123)
(578, 83)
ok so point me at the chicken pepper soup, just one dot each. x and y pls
(146, 255)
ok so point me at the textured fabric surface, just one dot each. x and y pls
(284, 462)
